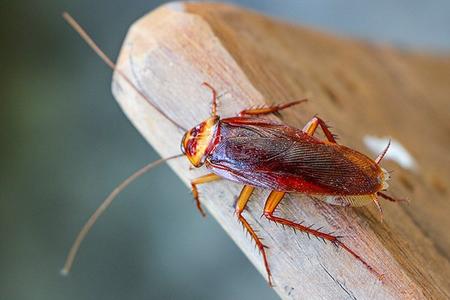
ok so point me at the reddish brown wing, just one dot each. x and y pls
(278, 157)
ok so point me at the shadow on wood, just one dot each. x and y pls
(360, 88)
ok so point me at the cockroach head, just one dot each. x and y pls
(199, 141)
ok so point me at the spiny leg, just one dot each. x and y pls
(392, 199)
(271, 204)
(243, 198)
(311, 126)
(265, 110)
(377, 204)
(202, 179)
(214, 99)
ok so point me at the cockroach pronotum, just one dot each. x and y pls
(261, 153)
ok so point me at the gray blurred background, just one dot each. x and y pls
(65, 144)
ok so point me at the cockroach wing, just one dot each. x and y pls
(278, 157)
(345, 200)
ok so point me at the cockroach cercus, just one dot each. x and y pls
(261, 153)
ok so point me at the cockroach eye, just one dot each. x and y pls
(182, 144)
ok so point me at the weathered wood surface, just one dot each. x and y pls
(360, 88)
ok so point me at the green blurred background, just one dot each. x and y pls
(65, 144)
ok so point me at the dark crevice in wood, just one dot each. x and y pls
(406, 183)
(331, 95)
(341, 286)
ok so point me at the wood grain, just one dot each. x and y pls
(360, 88)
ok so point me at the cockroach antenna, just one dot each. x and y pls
(85, 36)
(105, 204)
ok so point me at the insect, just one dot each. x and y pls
(261, 153)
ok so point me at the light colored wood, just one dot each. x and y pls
(361, 89)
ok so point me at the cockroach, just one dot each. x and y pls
(261, 153)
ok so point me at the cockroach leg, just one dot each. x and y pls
(271, 204)
(243, 198)
(268, 109)
(392, 199)
(214, 99)
(311, 126)
(202, 179)
(377, 204)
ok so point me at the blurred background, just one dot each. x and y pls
(65, 144)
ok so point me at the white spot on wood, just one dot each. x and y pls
(396, 151)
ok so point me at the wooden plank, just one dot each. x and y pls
(361, 89)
